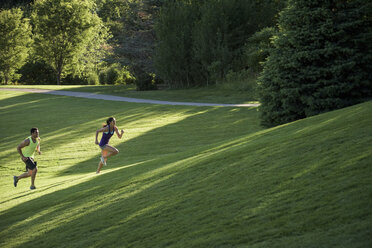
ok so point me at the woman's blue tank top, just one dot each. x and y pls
(106, 136)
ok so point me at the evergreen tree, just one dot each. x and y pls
(257, 49)
(321, 61)
(15, 41)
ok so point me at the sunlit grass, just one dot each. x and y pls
(185, 177)
(210, 94)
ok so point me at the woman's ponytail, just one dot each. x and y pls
(109, 120)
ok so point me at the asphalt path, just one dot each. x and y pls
(124, 99)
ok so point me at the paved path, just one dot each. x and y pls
(124, 99)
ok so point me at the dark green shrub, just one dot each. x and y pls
(102, 77)
(36, 72)
(72, 79)
(113, 75)
(244, 80)
(146, 81)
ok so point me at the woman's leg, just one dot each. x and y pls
(99, 167)
(109, 151)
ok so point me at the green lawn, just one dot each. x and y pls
(185, 177)
(210, 94)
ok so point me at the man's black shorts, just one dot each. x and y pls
(30, 164)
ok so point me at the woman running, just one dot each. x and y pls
(107, 150)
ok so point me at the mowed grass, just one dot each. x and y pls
(185, 177)
(211, 94)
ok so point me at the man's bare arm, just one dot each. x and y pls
(38, 147)
(24, 143)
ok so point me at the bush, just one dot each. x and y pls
(146, 81)
(36, 72)
(113, 75)
(128, 78)
(92, 78)
(116, 74)
(72, 79)
(102, 77)
(242, 81)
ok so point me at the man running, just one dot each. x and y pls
(29, 145)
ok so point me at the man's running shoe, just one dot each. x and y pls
(32, 187)
(15, 181)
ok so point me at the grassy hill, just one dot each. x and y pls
(185, 177)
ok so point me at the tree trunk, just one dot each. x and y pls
(59, 69)
(58, 78)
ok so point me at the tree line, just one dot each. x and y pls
(201, 42)
(307, 57)
(76, 42)
(300, 57)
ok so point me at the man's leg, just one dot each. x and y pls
(23, 175)
(33, 176)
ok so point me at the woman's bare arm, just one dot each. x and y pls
(119, 134)
(104, 129)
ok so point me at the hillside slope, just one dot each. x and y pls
(304, 184)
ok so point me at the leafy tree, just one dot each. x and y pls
(15, 41)
(112, 9)
(8, 4)
(69, 35)
(132, 25)
(222, 31)
(199, 42)
(321, 61)
(173, 59)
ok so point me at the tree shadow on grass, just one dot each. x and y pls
(195, 201)
(197, 130)
(111, 191)
(63, 120)
(212, 196)
(122, 193)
